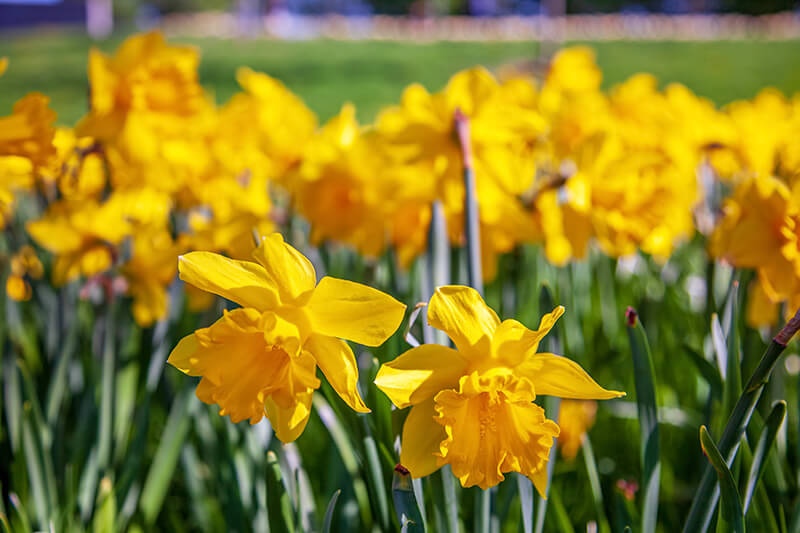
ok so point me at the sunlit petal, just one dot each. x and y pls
(554, 375)
(337, 362)
(289, 422)
(462, 314)
(243, 282)
(421, 439)
(287, 269)
(352, 311)
(420, 373)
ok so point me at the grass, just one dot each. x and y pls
(372, 74)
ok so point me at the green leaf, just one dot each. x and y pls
(731, 516)
(12, 395)
(405, 503)
(105, 516)
(733, 373)
(88, 485)
(594, 483)
(279, 505)
(704, 502)
(645, 381)
(706, 369)
(375, 476)
(345, 447)
(105, 420)
(444, 497)
(562, 516)
(58, 383)
(166, 457)
(23, 524)
(551, 406)
(4, 523)
(124, 406)
(760, 454)
(34, 460)
(326, 523)
(525, 489)
(483, 509)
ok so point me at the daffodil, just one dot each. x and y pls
(618, 168)
(82, 235)
(424, 162)
(472, 407)
(149, 272)
(336, 189)
(25, 264)
(28, 132)
(261, 359)
(276, 123)
(145, 75)
(575, 417)
(26, 145)
(760, 229)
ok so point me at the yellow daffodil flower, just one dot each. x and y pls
(276, 122)
(472, 407)
(145, 75)
(18, 288)
(26, 146)
(336, 189)
(149, 271)
(25, 264)
(261, 359)
(81, 235)
(575, 417)
(760, 229)
(424, 161)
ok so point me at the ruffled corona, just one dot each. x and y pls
(493, 427)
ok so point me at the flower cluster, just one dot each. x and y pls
(759, 226)
(156, 168)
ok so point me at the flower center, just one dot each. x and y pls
(493, 427)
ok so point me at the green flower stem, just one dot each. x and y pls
(705, 499)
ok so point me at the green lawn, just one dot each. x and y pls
(372, 74)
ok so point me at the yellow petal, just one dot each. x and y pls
(183, 354)
(289, 422)
(243, 359)
(464, 316)
(420, 373)
(554, 375)
(352, 311)
(243, 282)
(18, 289)
(54, 235)
(287, 269)
(336, 360)
(514, 343)
(421, 439)
(539, 479)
